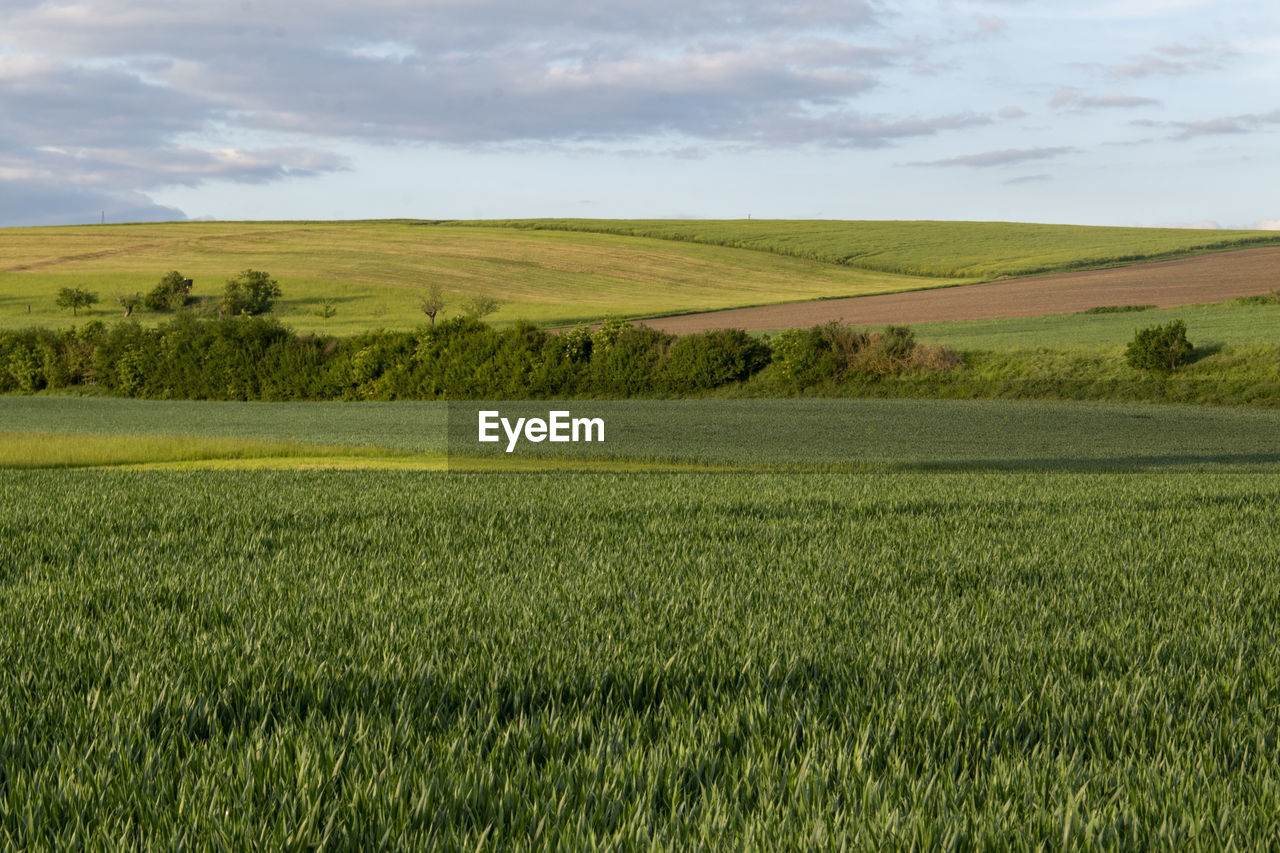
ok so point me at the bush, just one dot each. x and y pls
(806, 357)
(173, 292)
(706, 360)
(625, 367)
(1162, 348)
(1272, 298)
(252, 292)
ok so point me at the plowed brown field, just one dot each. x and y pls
(1204, 278)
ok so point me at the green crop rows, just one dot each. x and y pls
(944, 249)
(782, 661)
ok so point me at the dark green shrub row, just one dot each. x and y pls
(255, 358)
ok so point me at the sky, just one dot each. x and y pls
(1101, 112)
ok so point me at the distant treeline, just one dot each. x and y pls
(259, 358)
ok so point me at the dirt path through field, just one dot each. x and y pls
(1204, 278)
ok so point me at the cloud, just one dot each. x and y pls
(50, 102)
(45, 201)
(482, 71)
(850, 130)
(990, 27)
(1012, 112)
(1007, 157)
(116, 93)
(1237, 124)
(1268, 225)
(76, 140)
(1029, 179)
(1170, 59)
(1071, 98)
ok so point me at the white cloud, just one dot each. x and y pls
(1006, 157)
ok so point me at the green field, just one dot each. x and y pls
(737, 624)
(758, 434)
(1228, 324)
(983, 250)
(551, 272)
(781, 661)
(372, 273)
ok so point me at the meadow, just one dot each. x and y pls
(784, 661)
(945, 249)
(372, 274)
(1225, 324)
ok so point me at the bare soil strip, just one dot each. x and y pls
(1204, 278)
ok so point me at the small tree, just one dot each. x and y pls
(432, 302)
(480, 305)
(251, 292)
(172, 293)
(326, 311)
(75, 298)
(129, 301)
(1164, 348)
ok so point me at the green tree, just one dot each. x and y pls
(432, 301)
(1163, 348)
(172, 293)
(251, 292)
(326, 311)
(129, 301)
(479, 306)
(75, 298)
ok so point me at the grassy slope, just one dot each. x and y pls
(371, 271)
(984, 250)
(552, 271)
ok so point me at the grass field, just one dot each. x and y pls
(373, 272)
(1207, 325)
(761, 434)
(739, 623)
(551, 272)
(1010, 625)
(982, 250)
(783, 661)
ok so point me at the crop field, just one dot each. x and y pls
(1249, 274)
(757, 434)
(981, 250)
(928, 623)
(373, 273)
(1215, 325)
(783, 661)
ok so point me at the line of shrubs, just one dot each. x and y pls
(259, 358)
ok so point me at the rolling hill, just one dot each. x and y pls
(551, 272)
